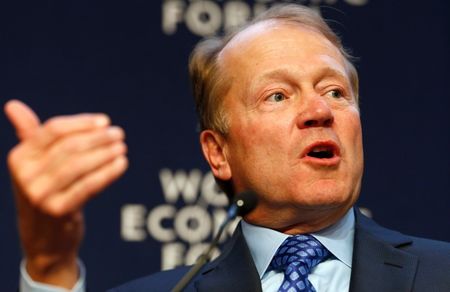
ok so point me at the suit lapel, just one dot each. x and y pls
(379, 263)
(233, 270)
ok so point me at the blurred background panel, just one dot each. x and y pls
(129, 60)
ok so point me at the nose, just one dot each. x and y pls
(315, 113)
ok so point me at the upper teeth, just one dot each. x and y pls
(320, 149)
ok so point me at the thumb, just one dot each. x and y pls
(22, 117)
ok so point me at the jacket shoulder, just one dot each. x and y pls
(423, 248)
(433, 254)
(428, 260)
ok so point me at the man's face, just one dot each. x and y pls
(294, 127)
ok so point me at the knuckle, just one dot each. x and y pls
(56, 209)
(35, 195)
(13, 158)
(25, 176)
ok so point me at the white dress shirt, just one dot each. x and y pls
(329, 276)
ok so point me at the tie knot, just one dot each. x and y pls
(303, 250)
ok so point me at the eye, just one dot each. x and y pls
(276, 97)
(335, 93)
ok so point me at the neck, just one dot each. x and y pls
(298, 221)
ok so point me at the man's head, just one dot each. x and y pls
(278, 108)
(208, 81)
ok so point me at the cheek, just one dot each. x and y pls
(352, 138)
(257, 146)
(351, 128)
(262, 132)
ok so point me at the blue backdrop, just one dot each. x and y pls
(129, 59)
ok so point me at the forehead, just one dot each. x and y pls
(275, 43)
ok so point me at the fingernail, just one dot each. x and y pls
(101, 121)
(115, 132)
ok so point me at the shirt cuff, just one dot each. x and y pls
(28, 285)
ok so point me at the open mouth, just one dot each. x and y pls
(322, 150)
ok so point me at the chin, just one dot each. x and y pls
(325, 196)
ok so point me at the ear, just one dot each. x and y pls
(213, 149)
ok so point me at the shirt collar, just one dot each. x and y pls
(264, 242)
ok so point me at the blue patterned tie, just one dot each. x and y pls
(296, 257)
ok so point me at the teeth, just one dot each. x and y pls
(320, 149)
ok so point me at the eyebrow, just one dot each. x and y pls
(331, 72)
(322, 72)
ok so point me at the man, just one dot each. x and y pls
(278, 106)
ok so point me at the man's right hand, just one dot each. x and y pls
(55, 169)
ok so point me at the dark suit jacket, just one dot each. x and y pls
(383, 261)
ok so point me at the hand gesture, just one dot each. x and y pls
(55, 169)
